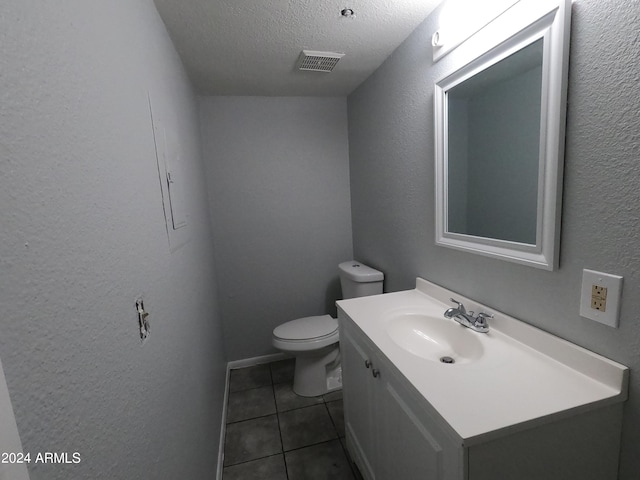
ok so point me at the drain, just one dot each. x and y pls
(447, 360)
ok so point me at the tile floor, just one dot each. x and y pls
(274, 434)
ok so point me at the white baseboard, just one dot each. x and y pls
(223, 426)
(247, 362)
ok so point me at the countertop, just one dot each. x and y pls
(524, 376)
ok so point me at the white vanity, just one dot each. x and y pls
(516, 403)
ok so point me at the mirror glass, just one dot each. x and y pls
(499, 137)
(493, 149)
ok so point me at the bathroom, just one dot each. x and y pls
(84, 235)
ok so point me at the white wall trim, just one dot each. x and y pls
(223, 425)
(249, 362)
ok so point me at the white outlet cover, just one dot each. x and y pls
(613, 284)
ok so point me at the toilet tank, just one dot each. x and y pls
(358, 280)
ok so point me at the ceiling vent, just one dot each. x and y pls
(313, 61)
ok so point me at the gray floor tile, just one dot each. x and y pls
(246, 404)
(336, 411)
(282, 371)
(306, 426)
(332, 396)
(251, 439)
(270, 468)
(325, 461)
(286, 399)
(249, 377)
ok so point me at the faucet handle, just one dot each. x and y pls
(481, 318)
(460, 305)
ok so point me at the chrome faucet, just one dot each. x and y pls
(476, 323)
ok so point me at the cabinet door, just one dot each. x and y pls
(359, 403)
(407, 449)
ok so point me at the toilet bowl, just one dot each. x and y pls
(314, 341)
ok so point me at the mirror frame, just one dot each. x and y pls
(524, 23)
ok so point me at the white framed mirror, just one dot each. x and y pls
(499, 137)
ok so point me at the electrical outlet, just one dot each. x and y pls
(598, 304)
(601, 295)
(599, 298)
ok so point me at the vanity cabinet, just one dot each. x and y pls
(360, 402)
(389, 434)
(393, 432)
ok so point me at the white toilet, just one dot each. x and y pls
(314, 340)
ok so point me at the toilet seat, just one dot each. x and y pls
(307, 328)
(306, 333)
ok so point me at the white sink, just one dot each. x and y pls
(437, 339)
(517, 373)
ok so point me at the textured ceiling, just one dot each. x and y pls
(249, 47)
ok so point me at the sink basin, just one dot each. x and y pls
(432, 338)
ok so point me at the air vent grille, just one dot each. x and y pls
(313, 61)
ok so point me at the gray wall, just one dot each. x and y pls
(392, 174)
(82, 234)
(278, 176)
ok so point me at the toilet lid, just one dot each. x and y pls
(307, 328)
